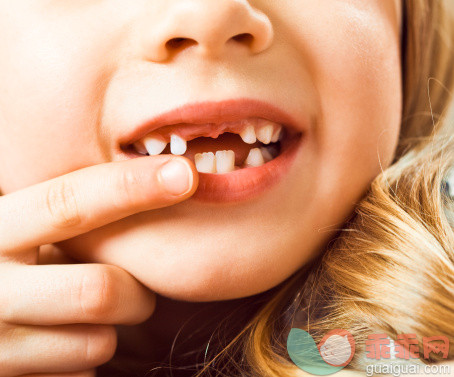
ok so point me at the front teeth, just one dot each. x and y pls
(178, 145)
(254, 158)
(205, 162)
(225, 161)
(154, 145)
(248, 134)
(270, 132)
(265, 133)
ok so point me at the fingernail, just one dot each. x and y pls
(175, 177)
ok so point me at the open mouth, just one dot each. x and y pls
(237, 158)
(220, 148)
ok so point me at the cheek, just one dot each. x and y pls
(49, 103)
(354, 58)
(361, 101)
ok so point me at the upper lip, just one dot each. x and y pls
(214, 112)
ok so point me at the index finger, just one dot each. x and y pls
(89, 198)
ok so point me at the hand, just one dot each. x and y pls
(58, 320)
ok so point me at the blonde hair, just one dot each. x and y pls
(391, 269)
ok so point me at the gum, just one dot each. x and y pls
(212, 130)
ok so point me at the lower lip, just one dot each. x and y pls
(247, 183)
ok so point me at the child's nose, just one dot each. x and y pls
(211, 28)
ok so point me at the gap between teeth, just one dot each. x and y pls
(268, 132)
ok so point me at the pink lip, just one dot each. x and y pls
(240, 184)
(247, 183)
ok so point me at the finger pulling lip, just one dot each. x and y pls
(243, 183)
(246, 184)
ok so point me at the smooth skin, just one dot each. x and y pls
(59, 318)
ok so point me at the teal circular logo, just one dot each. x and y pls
(332, 354)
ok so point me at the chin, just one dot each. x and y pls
(195, 267)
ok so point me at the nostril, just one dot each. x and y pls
(175, 43)
(243, 38)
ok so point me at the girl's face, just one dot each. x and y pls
(77, 76)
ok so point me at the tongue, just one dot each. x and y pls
(226, 141)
